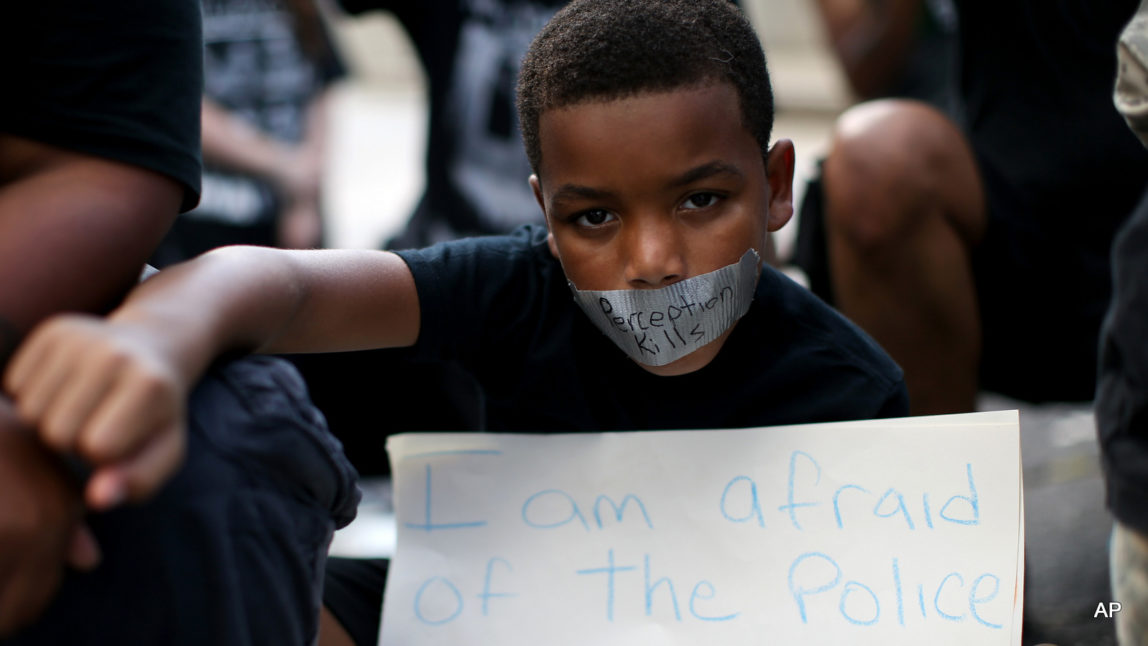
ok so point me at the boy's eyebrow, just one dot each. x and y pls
(706, 170)
(576, 191)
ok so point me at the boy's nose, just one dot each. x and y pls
(655, 255)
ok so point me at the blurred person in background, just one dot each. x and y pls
(269, 66)
(1122, 387)
(886, 49)
(475, 167)
(894, 48)
(975, 247)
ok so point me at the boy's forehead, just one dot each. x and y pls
(612, 121)
(621, 99)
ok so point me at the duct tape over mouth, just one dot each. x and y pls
(659, 326)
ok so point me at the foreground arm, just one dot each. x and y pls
(114, 390)
(74, 233)
(40, 524)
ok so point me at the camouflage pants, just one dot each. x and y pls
(1129, 569)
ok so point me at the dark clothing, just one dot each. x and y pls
(500, 323)
(231, 551)
(1122, 389)
(500, 306)
(119, 80)
(1036, 81)
(258, 67)
(1060, 173)
(476, 168)
(353, 592)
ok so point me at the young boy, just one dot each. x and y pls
(647, 125)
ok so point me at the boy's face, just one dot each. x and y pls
(646, 191)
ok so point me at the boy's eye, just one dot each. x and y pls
(593, 218)
(701, 200)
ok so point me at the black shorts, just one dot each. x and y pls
(353, 592)
(231, 552)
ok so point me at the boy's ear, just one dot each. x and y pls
(779, 164)
(536, 186)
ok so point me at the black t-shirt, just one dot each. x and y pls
(1122, 388)
(1061, 173)
(120, 80)
(501, 307)
(1036, 82)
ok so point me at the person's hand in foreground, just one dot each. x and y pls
(107, 393)
(41, 524)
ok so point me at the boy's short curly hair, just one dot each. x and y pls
(611, 49)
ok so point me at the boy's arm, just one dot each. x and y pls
(259, 299)
(114, 391)
(40, 524)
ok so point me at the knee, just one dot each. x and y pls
(889, 165)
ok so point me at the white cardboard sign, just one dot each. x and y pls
(902, 531)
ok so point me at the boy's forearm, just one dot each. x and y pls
(231, 299)
(257, 299)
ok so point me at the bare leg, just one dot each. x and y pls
(331, 632)
(904, 206)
